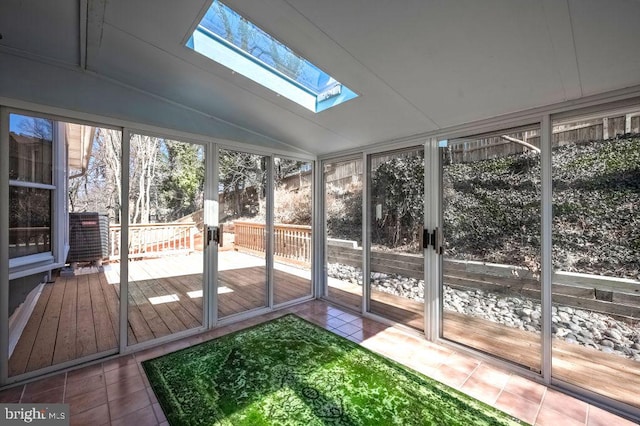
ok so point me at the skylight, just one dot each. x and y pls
(231, 40)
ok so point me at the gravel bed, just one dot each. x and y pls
(585, 328)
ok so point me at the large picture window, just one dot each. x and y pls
(30, 185)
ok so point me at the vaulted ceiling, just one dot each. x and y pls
(417, 65)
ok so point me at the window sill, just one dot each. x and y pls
(34, 264)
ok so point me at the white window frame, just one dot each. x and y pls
(54, 258)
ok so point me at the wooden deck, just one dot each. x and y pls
(78, 316)
(65, 321)
(610, 375)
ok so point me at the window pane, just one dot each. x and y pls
(242, 265)
(80, 301)
(29, 221)
(491, 226)
(596, 252)
(30, 145)
(292, 230)
(166, 237)
(343, 219)
(396, 277)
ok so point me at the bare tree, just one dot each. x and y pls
(242, 177)
(142, 172)
(99, 188)
(112, 152)
(41, 128)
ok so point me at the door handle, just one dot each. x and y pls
(214, 234)
(426, 238)
(436, 240)
(432, 239)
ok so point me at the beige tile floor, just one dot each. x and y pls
(117, 392)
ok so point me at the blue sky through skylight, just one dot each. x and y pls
(229, 39)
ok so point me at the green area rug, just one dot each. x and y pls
(291, 372)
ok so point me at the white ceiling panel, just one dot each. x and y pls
(607, 40)
(456, 61)
(417, 66)
(43, 28)
(160, 22)
(143, 65)
(167, 68)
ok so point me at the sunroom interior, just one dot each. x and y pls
(468, 172)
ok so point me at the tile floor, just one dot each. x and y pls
(117, 392)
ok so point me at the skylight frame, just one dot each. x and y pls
(225, 50)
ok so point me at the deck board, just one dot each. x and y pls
(86, 332)
(105, 336)
(137, 300)
(189, 315)
(22, 352)
(250, 281)
(153, 289)
(138, 329)
(112, 303)
(45, 342)
(65, 341)
(512, 344)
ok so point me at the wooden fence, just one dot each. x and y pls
(291, 242)
(153, 240)
(564, 133)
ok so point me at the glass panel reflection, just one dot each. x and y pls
(30, 149)
(396, 256)
(491, 263)
(596, 252)
(292, 230)
(29, 221)
(166, 237)
(343, 218)
(242, 265)
(73, 313)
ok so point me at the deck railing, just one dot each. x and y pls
(291, 242)
(28, 240)
(155, 239)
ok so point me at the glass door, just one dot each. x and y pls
(491, 228)
(166, 237)
(64, 211)
(242, 217)
(396, 260)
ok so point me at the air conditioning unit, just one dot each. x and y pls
(88, 238)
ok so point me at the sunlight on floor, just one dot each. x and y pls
(164, 299)
(194, 294)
